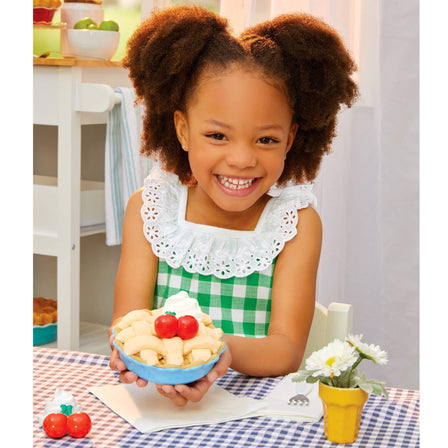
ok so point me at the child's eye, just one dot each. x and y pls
(217, 136)
(267, 140)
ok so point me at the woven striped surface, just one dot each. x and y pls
(393, 423)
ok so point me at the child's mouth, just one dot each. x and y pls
(235, 183)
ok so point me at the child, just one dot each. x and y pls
(229, 118)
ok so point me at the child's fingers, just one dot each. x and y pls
(141, 382)
(111, 341)
(128, 377)
(170, 392)
(125, 376)
(115, 362)
(194, 392)
(221, 367)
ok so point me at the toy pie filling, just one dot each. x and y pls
(45, 311)
(137, 338)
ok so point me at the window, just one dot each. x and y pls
(148, 5)
(127, 14)
(355, 20)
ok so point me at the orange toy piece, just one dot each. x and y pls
(45, 311)
(47, 3)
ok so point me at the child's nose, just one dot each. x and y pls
(241, 156)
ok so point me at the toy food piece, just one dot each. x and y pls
(85, 23)
(55, 425)
(166, 325)
(63, 415)
(78, 424)
(136, 344)
(134, 316)
(47, 3)
(109, 25)
(187, 327)
(95, 2)
(138, 338)
(43, 10)
(173, 348)
(45, 311)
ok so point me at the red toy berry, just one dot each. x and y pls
(78, 424)
(187, 327)
(165, 326)
(55, 425)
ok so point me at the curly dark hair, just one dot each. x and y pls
(168, 53)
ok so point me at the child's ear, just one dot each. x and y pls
(291, 136)
(181, 125)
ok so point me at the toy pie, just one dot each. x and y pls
(175, 344)
(47, 3)
(45, 311)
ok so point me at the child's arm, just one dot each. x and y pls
(292, 306)
(292, 309)
(136, 277)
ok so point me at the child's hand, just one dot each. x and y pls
(181, 394)
(125, 376)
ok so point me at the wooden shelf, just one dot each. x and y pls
(45, 199)
(93, 338)
(63, 97)
(74, 62)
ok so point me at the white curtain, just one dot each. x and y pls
(368, 187)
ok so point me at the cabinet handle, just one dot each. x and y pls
(92, 97)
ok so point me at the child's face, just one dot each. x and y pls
(237, 131)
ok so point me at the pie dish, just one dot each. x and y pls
(43, 334)
(166, 375)
(175, 344)
(45, 316)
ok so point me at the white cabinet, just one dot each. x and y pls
(68, 93)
